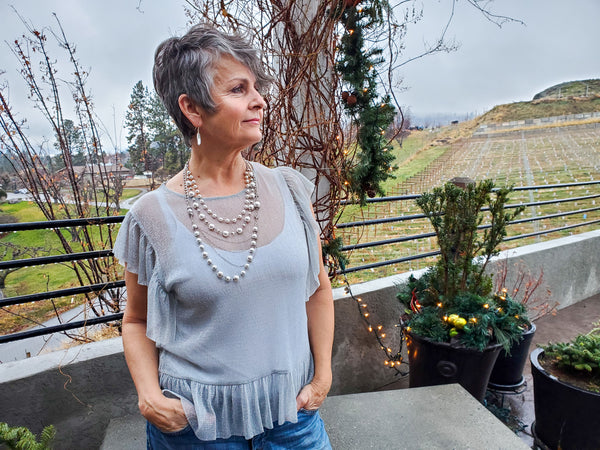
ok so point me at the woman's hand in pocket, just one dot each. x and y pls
(312, 395)
(165, 413)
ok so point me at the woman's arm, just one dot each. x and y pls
(320, 314)
(142, 359)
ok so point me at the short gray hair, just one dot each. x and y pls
(185, 65)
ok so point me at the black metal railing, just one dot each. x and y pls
(97, 288)
(399, 219)
(102, 287)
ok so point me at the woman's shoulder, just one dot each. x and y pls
(151, 199)
(295, 180)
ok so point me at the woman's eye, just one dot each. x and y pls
(238, 89)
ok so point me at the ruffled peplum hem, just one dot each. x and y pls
(221, 411)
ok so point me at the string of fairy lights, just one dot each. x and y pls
(392, 359)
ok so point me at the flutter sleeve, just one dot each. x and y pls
(133, 248)
(301, 189)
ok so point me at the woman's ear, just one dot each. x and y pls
(190, 110)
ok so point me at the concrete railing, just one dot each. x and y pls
(81, 389)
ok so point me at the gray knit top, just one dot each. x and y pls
(237, 354)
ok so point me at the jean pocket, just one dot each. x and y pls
(184, 430)
(309, 412)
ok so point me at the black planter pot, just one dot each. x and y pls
(508, 369)
(433, 363)
(566, 417)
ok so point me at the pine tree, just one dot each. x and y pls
(73, 141)
(136, 121)
(168, 148)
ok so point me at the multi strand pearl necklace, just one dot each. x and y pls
(223, 226)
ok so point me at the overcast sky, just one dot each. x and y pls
(492, 66)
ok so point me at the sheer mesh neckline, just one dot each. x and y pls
(271, 217)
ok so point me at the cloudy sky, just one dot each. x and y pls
(116, 39)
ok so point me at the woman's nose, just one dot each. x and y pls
(258, 102)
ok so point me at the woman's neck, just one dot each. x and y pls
(217, 174)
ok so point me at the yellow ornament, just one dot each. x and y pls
(460, 323)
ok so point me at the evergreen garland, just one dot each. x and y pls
(357, 63)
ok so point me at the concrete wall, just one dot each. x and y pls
(535, 123)
(80, 389)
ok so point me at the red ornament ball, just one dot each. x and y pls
(345, 95)
(351, 100)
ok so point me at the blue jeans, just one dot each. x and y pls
(308, 433)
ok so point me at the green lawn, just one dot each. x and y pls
(36, 279)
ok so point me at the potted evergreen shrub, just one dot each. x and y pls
(566, 393)
(455, 325)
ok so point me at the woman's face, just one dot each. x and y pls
(237, 121)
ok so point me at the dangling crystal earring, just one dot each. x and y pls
(198, 137)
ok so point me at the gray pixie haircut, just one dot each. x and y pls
(185, 65)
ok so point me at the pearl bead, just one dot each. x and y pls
(195, 204)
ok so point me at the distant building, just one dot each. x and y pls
(87, 172)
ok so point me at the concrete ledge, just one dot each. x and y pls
(436, 417)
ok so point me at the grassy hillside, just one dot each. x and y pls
(570, 89)
(558, 100)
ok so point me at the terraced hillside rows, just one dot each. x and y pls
(524, 158)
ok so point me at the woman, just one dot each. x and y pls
(228, 328)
